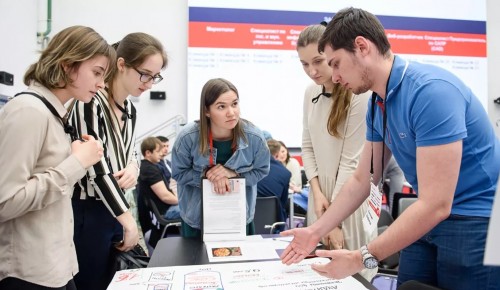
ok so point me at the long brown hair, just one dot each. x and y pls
(134, 48)
(209, 94)
(68, 48)
(342, 96)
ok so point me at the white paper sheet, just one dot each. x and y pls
(271, 275)
(492, 251)
(224, 215)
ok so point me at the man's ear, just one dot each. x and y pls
(362, 44)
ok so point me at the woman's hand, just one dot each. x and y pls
(335, 239)
(88, 152)
(219, 177)
(127, 177)
(130, 232)
(320, 204)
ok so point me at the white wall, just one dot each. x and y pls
(166, 20)
(113, 19)
(493, 47)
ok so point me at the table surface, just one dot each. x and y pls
(179, 251)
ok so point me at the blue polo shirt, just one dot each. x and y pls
(427, 105)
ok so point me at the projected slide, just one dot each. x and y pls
(253, 45)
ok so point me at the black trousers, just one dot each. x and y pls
(96, 230)
(11, 283)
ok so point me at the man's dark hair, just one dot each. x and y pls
(349, 23)
(163, 139)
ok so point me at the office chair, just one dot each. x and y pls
(267, 215)
(388, 265)
(385, 219)
(404, 203)
(159, 216)
(395, 203)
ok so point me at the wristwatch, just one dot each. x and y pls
(369, 260)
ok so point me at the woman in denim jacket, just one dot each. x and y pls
(219, 146)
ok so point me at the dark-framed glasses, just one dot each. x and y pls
(146, 78)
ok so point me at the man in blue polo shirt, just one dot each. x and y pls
(441, 137)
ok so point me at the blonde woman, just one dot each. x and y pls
(333, 136)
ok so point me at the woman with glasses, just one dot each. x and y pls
(103, 213)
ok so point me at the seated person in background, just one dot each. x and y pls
(151, 181)
(165, 165)
(277, 181)
(293, 166)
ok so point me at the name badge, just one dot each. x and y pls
(372, 215)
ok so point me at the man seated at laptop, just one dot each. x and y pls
(277, 181)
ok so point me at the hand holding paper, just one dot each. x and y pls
(219, 177)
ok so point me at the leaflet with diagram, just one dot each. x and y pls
(224, 215)
(272, 275)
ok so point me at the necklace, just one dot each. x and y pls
(124, 111)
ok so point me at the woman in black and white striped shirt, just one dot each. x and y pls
(102, 215)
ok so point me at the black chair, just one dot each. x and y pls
(152, 219)
(396, 211)
(303, 177)
(385, 219)
(165, 223)
(388, 265)
(267, 215)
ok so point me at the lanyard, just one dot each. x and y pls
(384, 125)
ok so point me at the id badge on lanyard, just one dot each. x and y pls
(372, 215)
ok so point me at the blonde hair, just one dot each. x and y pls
(68, 48)
(342, 96)
(209, 94)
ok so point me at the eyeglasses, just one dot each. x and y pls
(146, 78)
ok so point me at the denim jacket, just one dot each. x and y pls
(250, 160)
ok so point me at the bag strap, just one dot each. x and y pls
(68, 129)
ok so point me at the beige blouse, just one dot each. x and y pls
(36, 183)
(333, 160)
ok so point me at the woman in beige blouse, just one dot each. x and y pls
(332, 139)
(40, 164)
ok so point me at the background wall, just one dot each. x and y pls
(20, 20)
(493, 37)
(113, 19)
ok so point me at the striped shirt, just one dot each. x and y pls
(98, 119)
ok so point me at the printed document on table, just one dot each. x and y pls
(272, 275)
(224, 215)
(251, 249)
